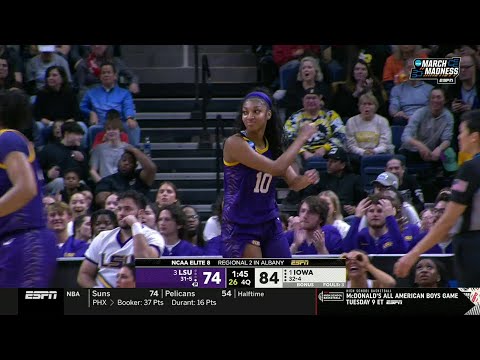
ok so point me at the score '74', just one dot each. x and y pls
(212, 277)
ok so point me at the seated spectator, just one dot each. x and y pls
(127, 177)
(430, 273)
(387, 182)
(394, 69)
(82, 228)
(58, 216)
(340, 179)
(429, 131)
(309, 76)
(88, 69)
(56, 102)
(330, 134)
(194, 228)
(55, 159)
(359, 266)
(47, 200)
(78, 205)
(213, 226)
(72, 185)
(103, 220)
(37, 66)
(111, 249)
(287, 58)
(368, 133)
(104, 158)
(313, 235)
(172, 225)
(150, 215)
(331, 131)
(407, 183)
(7, 76)
(382, 236)
(15, 69)
(360, 82)
(464, 95)
(408, 97)
(445, 246)
(111, 202)
(126, 276)
(335, 217)
(88, 199)
(106, 96)
(167, 194)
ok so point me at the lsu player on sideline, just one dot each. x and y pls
(27, 247)
(112, 249)
(253, 157)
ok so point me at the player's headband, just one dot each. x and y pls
(260, 95)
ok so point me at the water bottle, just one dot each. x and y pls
(147, 147)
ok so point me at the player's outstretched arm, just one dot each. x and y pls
(237, 150)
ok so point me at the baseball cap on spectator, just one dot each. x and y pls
(337, 154)
(314, 91)
(386, 179)
(46, 48)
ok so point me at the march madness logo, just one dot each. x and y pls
(444, 70)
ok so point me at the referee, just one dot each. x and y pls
(463, 211)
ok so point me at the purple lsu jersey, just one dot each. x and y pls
(31, 216)
(249, 194)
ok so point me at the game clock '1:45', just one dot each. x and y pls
(268, 278)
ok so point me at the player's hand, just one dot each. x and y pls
(307, 130)
(307, 155)
(320, 152)
(404, 264)
(312, 176)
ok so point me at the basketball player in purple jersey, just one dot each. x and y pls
(253, 157)
(27, 247)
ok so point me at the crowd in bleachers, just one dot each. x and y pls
(385, 147)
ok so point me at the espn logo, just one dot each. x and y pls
(299, 262)
(40, 295)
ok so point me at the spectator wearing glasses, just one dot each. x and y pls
(194, 231)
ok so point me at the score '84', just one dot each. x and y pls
(268, 278)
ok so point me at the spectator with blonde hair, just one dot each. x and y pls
(368, 133)
(309, 76)
(335, 216)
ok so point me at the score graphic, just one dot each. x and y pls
(241, 273)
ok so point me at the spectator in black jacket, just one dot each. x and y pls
(407, 184)
(339, 179)
(56, 158)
